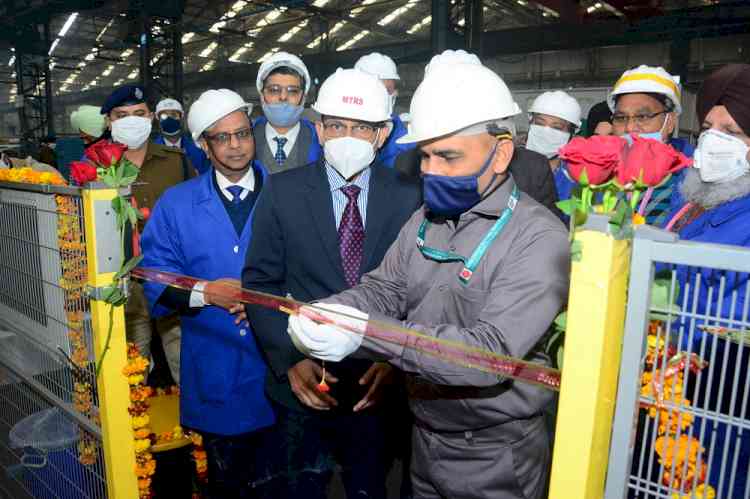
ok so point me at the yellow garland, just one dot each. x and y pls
(145, 465)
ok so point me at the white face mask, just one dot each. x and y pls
(546, 140)
(348, 155)
(132, 131)
(720, 157)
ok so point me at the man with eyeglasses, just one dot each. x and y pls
(483, 265)
(316, 231)
(202, 228)
(283, 138)
(647, 101)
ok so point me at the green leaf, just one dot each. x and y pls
(131, 214)
(567, 206)
(660, 299)
(561, 320)
(576, 250)
(129, 265)
(560, 356)
(129, 173)
(584, 179)
(109, 179)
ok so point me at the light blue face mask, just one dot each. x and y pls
(652, 135)
(282, 114)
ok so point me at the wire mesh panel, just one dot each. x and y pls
(682, 424)
(46, 359)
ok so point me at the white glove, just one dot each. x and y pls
(326, 341)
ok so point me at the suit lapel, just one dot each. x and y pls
(320, 208)
(380, 205)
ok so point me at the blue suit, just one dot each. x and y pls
(389, 152)
(221, 370)
(195, 154)
(724, 224)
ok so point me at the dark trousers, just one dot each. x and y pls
(310, 446)
(237, 465)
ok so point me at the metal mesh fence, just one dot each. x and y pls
(681, 423)
(46, 347)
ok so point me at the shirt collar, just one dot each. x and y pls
(496, 201)
(247, 182)
(291, 135)
(336, 181)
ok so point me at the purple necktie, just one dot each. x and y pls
(351, 236)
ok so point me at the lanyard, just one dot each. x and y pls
(471, 264)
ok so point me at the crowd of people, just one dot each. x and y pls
(445, 225)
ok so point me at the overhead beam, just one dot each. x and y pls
(568, 10)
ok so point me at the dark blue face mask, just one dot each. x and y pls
(170, 126)
(451, 196)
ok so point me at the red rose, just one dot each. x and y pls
(82, 172)
(650, 162)
(105, 153)
(599, 156)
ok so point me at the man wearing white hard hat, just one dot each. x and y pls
(382, 67)
(647, 101)
(316, 231)
(482, 264)
(202, 228)
(283, 138)
(169, 116)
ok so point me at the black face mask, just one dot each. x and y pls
(170, 126)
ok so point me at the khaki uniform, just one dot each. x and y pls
(162, 168)
(476, 435)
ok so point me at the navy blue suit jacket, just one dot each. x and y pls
(295, 250)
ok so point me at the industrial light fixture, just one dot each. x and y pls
(421, 24)
(68, 24)
(54, 45)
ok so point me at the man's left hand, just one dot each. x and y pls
(377, 376)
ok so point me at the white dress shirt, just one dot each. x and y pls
(290, 136)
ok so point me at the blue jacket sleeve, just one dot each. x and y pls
(162, 250)
(265, 270)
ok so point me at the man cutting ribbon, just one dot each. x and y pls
(482, 264)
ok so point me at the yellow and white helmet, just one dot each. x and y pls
(648, 79)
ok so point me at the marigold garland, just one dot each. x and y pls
(145, 464)
(682, 458)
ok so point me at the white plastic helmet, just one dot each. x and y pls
(454, 97)
(559, 104)
(212, 106)
(647, 79)
(452, 57)
(355, 95)
(168, 105)
(379, 65)
(282, 60)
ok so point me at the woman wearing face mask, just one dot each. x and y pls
(554, 118)
(712, 205)
(128, 117)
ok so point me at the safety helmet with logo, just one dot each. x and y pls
(452, 57)
(282, 60)
(168, 105)
(558, 104)
(453, 98)
(378, 65)
(355, 95)
(648, 80)
(212, 106)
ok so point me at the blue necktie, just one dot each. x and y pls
(280, 155)
(235, 191)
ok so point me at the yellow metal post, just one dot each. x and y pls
(593, 343)
(114, 394)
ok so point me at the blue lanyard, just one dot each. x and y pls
(472, 263)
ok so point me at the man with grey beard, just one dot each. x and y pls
(713, 205)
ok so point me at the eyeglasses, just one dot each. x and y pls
(224, 138)
(277, 90)
(640, 119)
(336, 129)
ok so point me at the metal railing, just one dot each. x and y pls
(681, 413)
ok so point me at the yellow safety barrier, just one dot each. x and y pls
(593, 343)
(114, 395)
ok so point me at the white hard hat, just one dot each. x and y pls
(452, 98)
(212, 106)
(452, 57)
(355, 95)
(282, 60)
(378, 65)
(558, 104)
(168, 105)
(647, 79)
